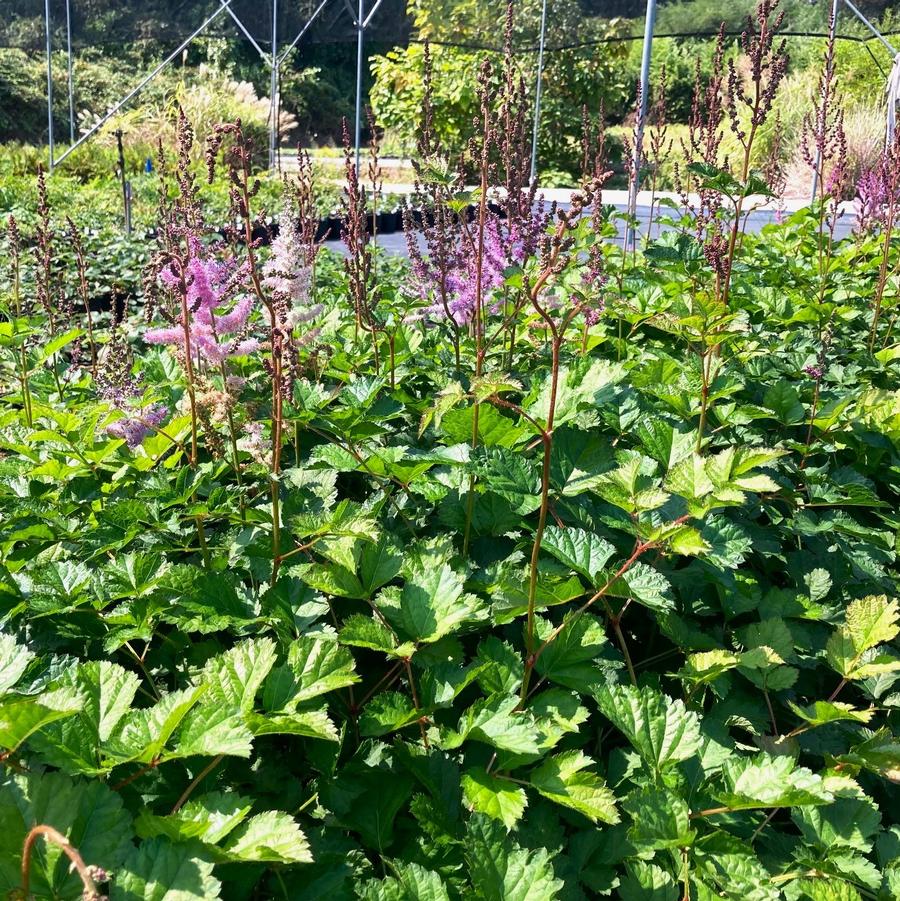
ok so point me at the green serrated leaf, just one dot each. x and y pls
(14, 660)
(208, 818)
(583, 552)
(493, 796)
(661, 730)
(411, 882)
(270, 837)
(766, 781)
(573, 658)
(21, 717)
(106, 692)
(502, 870)
(430, 605)
(161, 871)
(236, 676)
(660, 820)
(566, 779)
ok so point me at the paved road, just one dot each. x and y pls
(396, 243)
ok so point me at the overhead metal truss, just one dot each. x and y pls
(273, 60)
(361, 18)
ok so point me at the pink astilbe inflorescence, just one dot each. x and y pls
(215, 331)
(287, 274)
(505, 244)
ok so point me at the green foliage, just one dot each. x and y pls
(645, 654)
(571, 76)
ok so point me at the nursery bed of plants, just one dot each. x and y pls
(535, 568)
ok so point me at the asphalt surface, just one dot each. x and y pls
(396, 243)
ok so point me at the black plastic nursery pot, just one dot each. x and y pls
(388, 223)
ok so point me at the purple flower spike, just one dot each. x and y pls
(215, 332)
(814, 372)
(135, 428)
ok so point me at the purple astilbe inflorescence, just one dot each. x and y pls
(814, 372)
(117, 384)
(134, 429)
(818, 369)
(871, 200)
(506, 244)
(702, 144)
(878, 191)
(823, 142)
(214, 332)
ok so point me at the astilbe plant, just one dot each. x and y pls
(746, 104)
(749, 106)
(877, 205)
(46, 276)
(281, 287)
(21, 309)
(84, 293)
(357, 240)
(439, 257)
(823, 146)
(206, 303)
(546, 646)
(702, 143)
(774, 172)
(660, 144)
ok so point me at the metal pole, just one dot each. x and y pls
(71, 81)
(360, 29)
(273, 130)
(49, 86)
(136, 90)
(646, 51)
(126, 200)
(832, 31)
(537, 92)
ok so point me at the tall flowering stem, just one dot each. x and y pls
(244, 187)
(659, 140)
(887, 178)
(526, 219)
(768, 66)
(83, 291)
(823, 145)
(483, 155)
(555, 255)
(747, 106)
(815, 371)
(179, 225)
(289, 273)
(14, 240)
(702, 144)
(373, 171)
(703, 140)
(358, 262)
(435, 183)
(45, 275)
